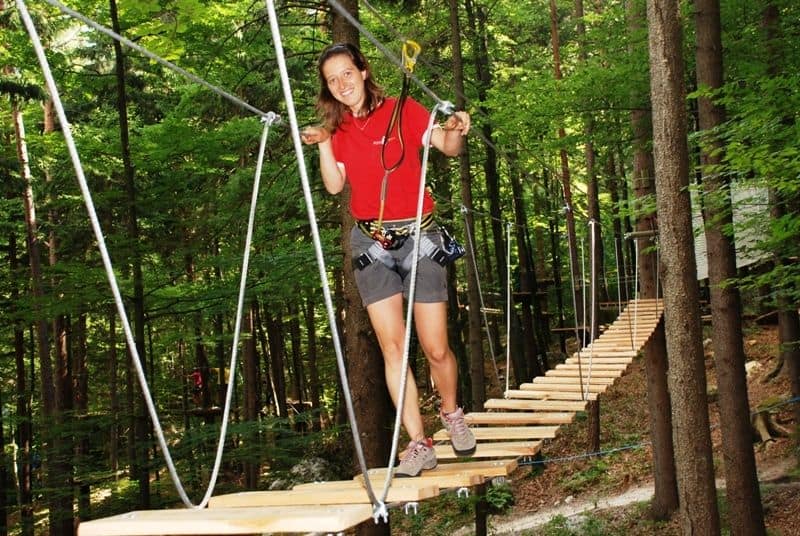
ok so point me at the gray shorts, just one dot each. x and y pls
(377, 281)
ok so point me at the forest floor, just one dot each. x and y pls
(610, 494)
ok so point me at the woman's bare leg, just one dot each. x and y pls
(388, 321)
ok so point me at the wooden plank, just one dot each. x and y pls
(626, 353)
(500, 418)
(576, 379)
(483, 468)
(548, 395)
(595, 360)
(595, 366)
(534, 405)
(219, 521)
(400, 492)
(564, 387)
(492, 450)
(495, 433)
(456, 480)
(583, 372)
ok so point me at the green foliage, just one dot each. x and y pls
(592, 475)
(584, 525)
(500, 498)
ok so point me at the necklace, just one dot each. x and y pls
(362, 126)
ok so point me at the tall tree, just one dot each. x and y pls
(475, 340)
(365, 362)
(566, 178)
(478, 22)
(139, 466)
(687, 374)
(665, 498)
(741, 481)
(592, 190)
(780, 203)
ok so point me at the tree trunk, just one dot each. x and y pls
(478, 22)
(60, 512)
(527, 283)
(140, 463)
(687, 377)
(277, 352)
(741, 481)
(474, 321)
(788, 318)
(298, 372)
(24, 434)
(566, 184)
(251, 402)
(665, 498)
(60, 464)
(313, 371)
(597, 286)
(371, 403)
(113, 390)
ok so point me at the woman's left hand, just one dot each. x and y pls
(458, 121)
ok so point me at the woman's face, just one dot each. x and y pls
(345, 81)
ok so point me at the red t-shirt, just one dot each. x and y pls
(357, 145)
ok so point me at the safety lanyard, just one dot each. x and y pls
(410, 52)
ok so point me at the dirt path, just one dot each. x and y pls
(516, 523)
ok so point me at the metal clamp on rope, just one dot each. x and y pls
(446, 107)
(380, 512)
(271, 118)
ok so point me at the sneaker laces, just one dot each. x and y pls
(414, 449)
(456, 425)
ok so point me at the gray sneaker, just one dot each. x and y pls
(419, 457)
(461, 437)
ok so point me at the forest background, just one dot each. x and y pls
(558, 98)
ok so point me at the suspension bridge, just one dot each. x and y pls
(511, 428)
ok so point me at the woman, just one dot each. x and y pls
(384, 179)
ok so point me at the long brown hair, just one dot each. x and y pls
(332, 111)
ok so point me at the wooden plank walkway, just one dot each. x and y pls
(511, 427)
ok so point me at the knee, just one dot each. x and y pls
(438, 354)
(392, 353)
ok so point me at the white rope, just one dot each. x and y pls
(474, 262)
(636, 295)
(593, 283)
(410, 306)
(323, 273)
(570, 249)
(619, 275)
(127, 42)
(583, 293)
(136, 359)
(508, 308)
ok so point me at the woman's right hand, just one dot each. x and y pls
(312, 135)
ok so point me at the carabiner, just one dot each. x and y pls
(410, 52)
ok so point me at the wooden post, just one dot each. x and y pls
(481, 510)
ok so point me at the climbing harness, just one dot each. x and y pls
(392, 237)
(450, 251)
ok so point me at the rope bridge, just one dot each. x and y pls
(514, 427)
(529, 415)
